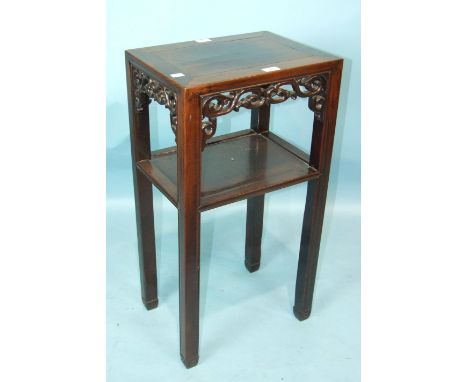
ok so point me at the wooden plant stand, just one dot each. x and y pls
(199, 81)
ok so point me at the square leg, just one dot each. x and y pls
(253, 235)
(259, 121)
(189, 285)
(189, 139)
(308, 253)
(140, 148)
(146, 240)
(320, 158)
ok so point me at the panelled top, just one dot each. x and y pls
(232, 59)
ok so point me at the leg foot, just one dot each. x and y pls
(189, 363)
(301, 315)
(252, 267)
(151, 304)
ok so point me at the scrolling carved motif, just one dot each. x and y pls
(147, 89)
(215, 105)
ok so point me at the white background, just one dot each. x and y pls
(52, 157)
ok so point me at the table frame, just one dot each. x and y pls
(193, 113)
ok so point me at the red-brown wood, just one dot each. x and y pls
(188, 174)
(206, 171)
(321, 153)
(233, 169)
(260, 123)
(140, 143)
(231, 60)
(288, 146)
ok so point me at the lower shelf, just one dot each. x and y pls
(233, 169)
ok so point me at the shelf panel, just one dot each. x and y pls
(232, 170)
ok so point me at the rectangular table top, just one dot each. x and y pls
(202, 63)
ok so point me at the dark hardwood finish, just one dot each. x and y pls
(321, 153)
(260, 123)
(229, 60)
(288, 146)
(254, 231)
(219, 138)
(233, 170)
(188, 193)
(140, 143)
(199, 81)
